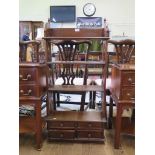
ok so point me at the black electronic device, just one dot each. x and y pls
(63, 14)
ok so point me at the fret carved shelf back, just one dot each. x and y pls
(68, 51)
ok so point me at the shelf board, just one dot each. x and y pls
(80, 116)
(75, 88)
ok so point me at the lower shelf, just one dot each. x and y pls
(75, 126)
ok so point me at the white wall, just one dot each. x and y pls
(119, 13)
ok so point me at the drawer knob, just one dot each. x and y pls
(89, 135)
(76, 125)
(26, 94)
(128, 94)
(20, 76)
(61, 135)
(25, 79)
(130, 80)
(132, 98)
(61, 124)
(90, 125)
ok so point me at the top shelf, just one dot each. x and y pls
(75, 38)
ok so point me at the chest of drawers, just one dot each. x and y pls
(75, 126)
(122, 93)
(123, 82)
(32, 87)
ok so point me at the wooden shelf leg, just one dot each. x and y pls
(118, 126)
(38, 130)
(110, 113)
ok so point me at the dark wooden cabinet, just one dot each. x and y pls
(31, 27)
(32, 87)
(123, 94)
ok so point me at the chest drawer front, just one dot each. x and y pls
(128, 78)
(61, 134)
(128, 94)
(26, 90)
(90, 125)
(90, 134)
(60, 124)
(27, 74)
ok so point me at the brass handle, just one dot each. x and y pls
(128, 94)
(27, 77)
(26, 94)
(130, 80)
(132, 98)
(20, 76)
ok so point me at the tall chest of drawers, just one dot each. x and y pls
(122, 93)
(32, 87)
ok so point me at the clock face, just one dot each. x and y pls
(89, 9)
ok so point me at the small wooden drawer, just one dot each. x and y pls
(26, 90)
(90, 134)
(61, 134)
(90, 125)
(128, 78)
(60, 124)
(128, 94)
(27, 74)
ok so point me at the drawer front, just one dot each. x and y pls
(26, 90)
(128, 93)
(90, 125)
(128, 78)
(27, 74)
(61, 134)
(90, 134)
(60, 124)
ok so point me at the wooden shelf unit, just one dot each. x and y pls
(78, 126)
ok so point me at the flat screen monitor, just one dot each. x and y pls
(64, 14)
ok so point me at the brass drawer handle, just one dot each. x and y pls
(132, 98)
(27, 77)
(130, 80)
(128, 94)
(26, 94)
